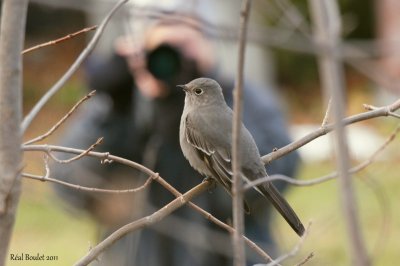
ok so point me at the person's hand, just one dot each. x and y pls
(190, 43)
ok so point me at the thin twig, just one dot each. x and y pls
(143, 222)
(306, 259)
(60, 83)
(106, 157)
(382, 111)
(99, 141)
(53, 42)
(45, 178)
(294, 17)
(328, 177)
(239, 254)
(327, 113)
(61, 121)
(294, 250)
(371, 107)
(101, 155)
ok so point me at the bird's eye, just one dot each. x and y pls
(198, 91)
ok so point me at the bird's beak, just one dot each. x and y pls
(183, 87)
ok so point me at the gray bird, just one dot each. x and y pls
(205, 137)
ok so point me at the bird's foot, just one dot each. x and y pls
(213, 184)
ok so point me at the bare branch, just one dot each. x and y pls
(328, 177)
(105, 156)
(294, 250)
(294, 17)
(53, 42)
(239, 254)
(327, 113)
(325, 15)
(99, 141)
(219, 223)
(371, 107)
(61, 121)
(143, 222)
(45, 178)
(382, 111)
(60, 83)
(310, 256)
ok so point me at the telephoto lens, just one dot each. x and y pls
(164, 62)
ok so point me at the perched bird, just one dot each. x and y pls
(205, 137)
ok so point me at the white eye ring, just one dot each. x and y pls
(198, 91)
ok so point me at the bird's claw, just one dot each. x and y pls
(213, 184)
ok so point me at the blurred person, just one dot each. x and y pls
(137, 110)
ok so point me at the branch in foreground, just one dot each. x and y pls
(79, 156)
(144, 222)
(371, 107)
(306, 259)
(327, 113)
(239, 257)
(326, 16)
(61, 121)
(45, 178)
(381, 111)
(328, 177)
(107, 157)
(56, 87)
(294, 250)
(54, 42)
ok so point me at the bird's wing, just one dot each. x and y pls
(213, 147)
(216, 158)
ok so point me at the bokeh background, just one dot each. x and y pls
(45, 225)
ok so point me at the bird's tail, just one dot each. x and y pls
(272, 194)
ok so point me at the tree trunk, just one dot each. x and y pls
(12, 31)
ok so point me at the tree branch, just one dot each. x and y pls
(294, 250)
(239, 257)
(106, 157)
(381, 111)
(143, 222)
(60, 83)
(325, 15)
(327, 113)
(61, 121)
(328, 177)
(79, 156)
(45, 178)
(54, 42)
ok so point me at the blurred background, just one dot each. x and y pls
(281, 58)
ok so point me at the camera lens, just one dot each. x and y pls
(164, 62)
